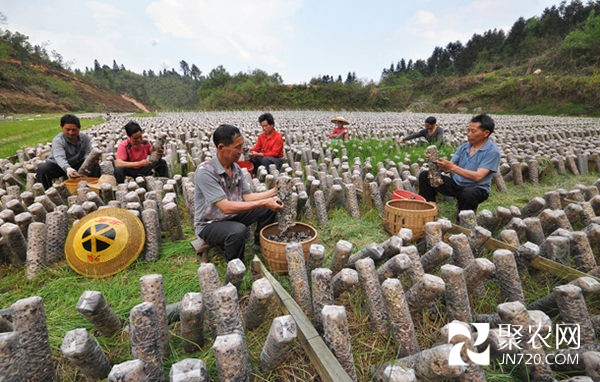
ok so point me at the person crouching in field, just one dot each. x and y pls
(432, 132)
(269, 146)
(470, 170)
(224, 205)
(132, 156)
(69, 150)
(340, 130)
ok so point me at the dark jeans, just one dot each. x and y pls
(48, 171)
(468, 198)
(266, 161)
(231, 234)
(159, 167)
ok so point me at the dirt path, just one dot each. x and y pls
(137, 103)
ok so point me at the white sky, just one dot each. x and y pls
(299, 39)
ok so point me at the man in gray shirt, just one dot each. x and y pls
(224, 205)
(69, 149)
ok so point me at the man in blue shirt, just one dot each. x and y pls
(470, 169)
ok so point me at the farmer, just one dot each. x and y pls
(470, 170)
(432, 132)
(69, 150)
(224, 205)
(133, 156)
(340, 131)
(269, 146)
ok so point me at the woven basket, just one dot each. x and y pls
(72, 183)
(409, 213)
(274, 252)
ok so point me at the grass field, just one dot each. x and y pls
(29, 130)
(60, 287)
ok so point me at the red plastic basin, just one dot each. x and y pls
(247, 165)
(403, 194)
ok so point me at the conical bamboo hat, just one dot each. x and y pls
(104, 242)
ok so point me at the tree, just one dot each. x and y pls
(550, 24)
(586, 41)
(573, 14)
(57, 59)
(438, 62)
(350, 78)
(185, 68)
(97, 66)
(420, 65)
(115, 67)
(515, 36)
(454, 49)
(195, 72)
(217, 77)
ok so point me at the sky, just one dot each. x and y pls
(299, 39)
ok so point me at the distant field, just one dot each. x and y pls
(31, 130)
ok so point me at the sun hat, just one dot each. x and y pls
(110, 179)
(343, 120)
(104, 242)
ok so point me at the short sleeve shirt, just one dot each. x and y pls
(212, 184)
(130, 153)
(488, 157)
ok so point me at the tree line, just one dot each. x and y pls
(564, 39)
(573, 27)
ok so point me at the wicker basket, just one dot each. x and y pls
(72, 183)
(274, 252)
(409, 213)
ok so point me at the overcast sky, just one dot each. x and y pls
(299, 39)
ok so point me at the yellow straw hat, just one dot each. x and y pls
(104, 242)
(343, 120)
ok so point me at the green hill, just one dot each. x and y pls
(546, 64)
(31, 82)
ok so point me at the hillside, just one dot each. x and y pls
(547, 64)
(29, 87)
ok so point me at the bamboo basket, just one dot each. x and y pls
(274, 252)
(409, 213)
(72, 183)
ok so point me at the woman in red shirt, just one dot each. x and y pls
(269, 147)
(340, 131)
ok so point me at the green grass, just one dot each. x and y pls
(382, 150)
(61, 288)
(30, 130)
